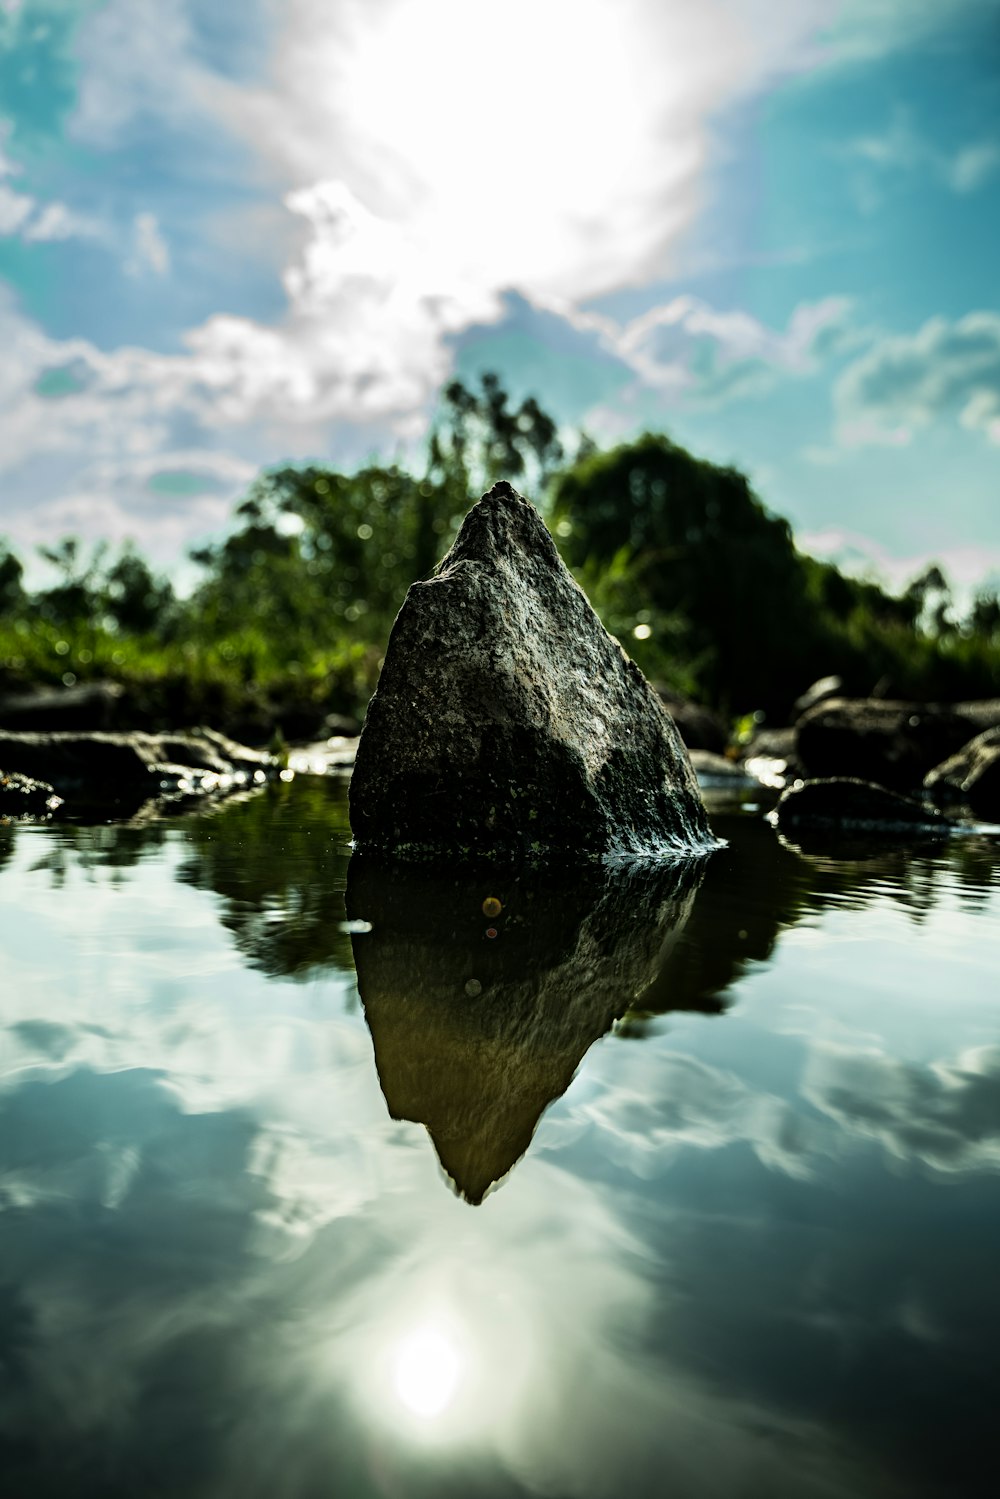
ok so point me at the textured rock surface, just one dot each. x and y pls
(844, 802)
(892, 743)
(981, 713)
(982, 786)
(717, 773)
(820, 691)
(508, 721)
(124, 770)
(971, 777)
(475, 1034)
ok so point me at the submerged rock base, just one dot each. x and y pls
(508, 721)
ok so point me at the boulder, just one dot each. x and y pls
(483, 990)
(325, 757)
(122, 771)
(771, 757)
(822, 689)
(843, 802)
(982, 787)
(981, 713)
(719, 773)
(971, 777)
(21, 796)
(893, 744)
(506, 719)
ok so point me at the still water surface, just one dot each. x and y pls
(743, 1244)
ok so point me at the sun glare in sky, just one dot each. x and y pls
(240, 235)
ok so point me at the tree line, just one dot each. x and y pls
(702, 584)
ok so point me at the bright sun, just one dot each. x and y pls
(536, 117)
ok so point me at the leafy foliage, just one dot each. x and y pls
(690, 563)
(703, 585)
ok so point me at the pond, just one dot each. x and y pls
(318, 1181)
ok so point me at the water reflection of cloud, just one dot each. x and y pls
(150, 1304)
(213, 1241)
(245, 1277)
(660, 1103)
(945, 1114)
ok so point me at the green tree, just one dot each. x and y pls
(984, 615)
(74, 598)
(321, 554)
(479, 437)
(320, 551)
(700, 550)
(98, 589)
(11, 587)
(929, 595)
(132, 597)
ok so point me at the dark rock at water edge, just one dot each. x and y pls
(119, 772)
(507, 720)
(844, 802)
(819, 692)
(891, 743)
(718, 770)
(971, 778)
(483, 989)
(771, 757)
(22, 796)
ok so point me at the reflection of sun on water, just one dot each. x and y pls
(425, 1372)
(444, 1366)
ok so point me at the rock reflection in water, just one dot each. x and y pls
(479, 1021)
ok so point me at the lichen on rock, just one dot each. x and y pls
(508, 722)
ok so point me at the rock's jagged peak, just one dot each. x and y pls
(501, 523)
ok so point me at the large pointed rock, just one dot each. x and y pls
(508, 722)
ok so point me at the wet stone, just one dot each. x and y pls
(507, 721)
(23, 796)
(852, 804)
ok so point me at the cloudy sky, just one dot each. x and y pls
(233, 234)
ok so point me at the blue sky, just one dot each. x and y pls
(233, 234)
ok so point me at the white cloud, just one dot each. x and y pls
(365, 345)
(149, 248)
(15, 209)
(661, 1104)
(57, 221)
(903, 382)
(901, 148)
(946, 1115)
(973, 165)
(558, 149)
(23, 215)
(436, 158)
(868, 28)
(687, 345)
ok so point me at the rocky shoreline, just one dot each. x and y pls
(892, 768)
